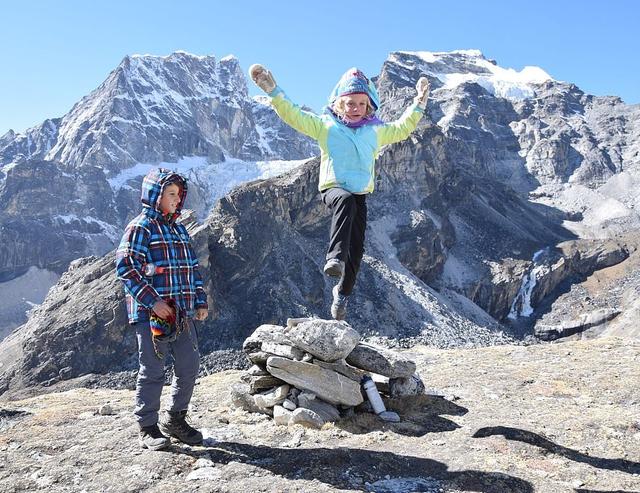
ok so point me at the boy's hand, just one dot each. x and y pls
(163, 310)
(202, 313)
(262, 77)
(423, 87)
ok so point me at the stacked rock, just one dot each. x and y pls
(310, 372)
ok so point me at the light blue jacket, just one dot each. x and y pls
(347, 155)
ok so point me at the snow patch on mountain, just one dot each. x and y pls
(109, 230)
(474, 67)
(215, 179)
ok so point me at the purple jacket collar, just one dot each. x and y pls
(367, 120)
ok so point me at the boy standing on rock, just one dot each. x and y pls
(164, 290)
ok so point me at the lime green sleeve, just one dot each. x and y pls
(305, 122)
(401, 128)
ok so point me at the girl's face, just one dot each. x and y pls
(170, 199)
(355, 107)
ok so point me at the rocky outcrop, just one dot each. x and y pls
(586, 307)
(44, 208)
(570, 327)
(570, 262)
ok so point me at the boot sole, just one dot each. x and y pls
(333, 272)
(154, 448)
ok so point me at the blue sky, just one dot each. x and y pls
(56, 52)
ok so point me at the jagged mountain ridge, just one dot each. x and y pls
(559, 133)
(156, 109)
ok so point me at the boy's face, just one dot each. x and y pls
(355, 107)
(170, 199)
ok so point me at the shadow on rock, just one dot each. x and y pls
(539, 441)
(352, 468)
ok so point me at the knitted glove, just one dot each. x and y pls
(262, 77)
(423, 88)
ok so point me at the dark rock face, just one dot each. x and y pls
(80, 328)
(51, 218)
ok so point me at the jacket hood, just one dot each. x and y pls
(153, 186)
(354, 81)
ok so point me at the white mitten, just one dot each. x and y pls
(262, 77)
(423, 88)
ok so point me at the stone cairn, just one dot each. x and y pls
(310, 373)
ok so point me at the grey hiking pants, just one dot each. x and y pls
(348, 224)
(186, 362)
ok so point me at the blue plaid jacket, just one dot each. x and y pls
(151, 238)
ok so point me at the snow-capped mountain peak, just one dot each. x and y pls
(458, 67)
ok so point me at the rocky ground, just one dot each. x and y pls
(547, 418)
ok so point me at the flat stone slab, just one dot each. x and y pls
(343, 368)
(284, 350)
(261, 382)
(381, 361)
(326, 384)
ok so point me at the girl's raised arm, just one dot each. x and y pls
(305, 122)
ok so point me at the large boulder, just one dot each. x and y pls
(260, 382)
(406, 386)
(328, 340)
(343, 368)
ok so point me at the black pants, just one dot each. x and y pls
(348, 225)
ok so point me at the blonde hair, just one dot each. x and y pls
(338, 106)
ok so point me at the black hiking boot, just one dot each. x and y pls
(175, 425)
(150, 437)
